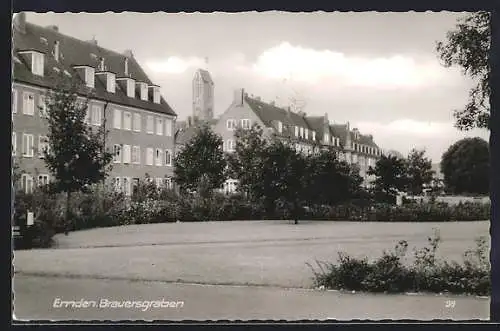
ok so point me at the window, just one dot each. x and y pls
(27, 183)
(37, 65)
(117, 153)
(327, 138)
(280, 127)
(306, 133)
(168, 127)
(136, 155)
(158, 182)
(231, 124)
(89, 77)
(27, 145)
(126, 182)
(43, 180)
(126, 154)
(137, 122)
(127, 121)
(168, 157)
(302, 132)
(230, 145)
(111, 83)
(42, 106)
(168, 183)
(159, 157)
(130, 88)
(245, 123)
(117, 119)
(150, 124)
(314, 135)
(149, 156)
(28, 103)
(144, 91)
(14, 143)
(159, 126)
(296, 131)
(96, 115)
(118, 184)
(156, 94)
(14, 101)
(43, 144)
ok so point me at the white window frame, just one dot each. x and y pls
(144, 91)
(27, 150)
(306, 133)
(14, 143)
(245, 123)
(14, 101)
(126, 186)
(168, 152)
(127, 121)
(150, 156)
(296, 131)
(117, 184)
(230, 145)
(130, 88)
(117, 118)
(25, 180)
(137, 122)
(126, 154)
(150, 124)
(231, 124)
(96, 115)
(28, 106)
(41, 178)
(90, 77)
(280, 127)
(159, 126)
(43, 143)
(111, 82)
(117, 153)
(326, 138)
(156, 94)
(37, 65)
(158, 182)
(168, 182)
(168, 127)
(136, 151)
(314, 135)
(42, 107)
(158, 157)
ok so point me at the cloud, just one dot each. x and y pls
(174, 64)
(286, 61)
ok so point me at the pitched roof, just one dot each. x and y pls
(205, 76)
(77, 52)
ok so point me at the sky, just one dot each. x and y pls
(378, 71)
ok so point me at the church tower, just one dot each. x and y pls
(203, 95)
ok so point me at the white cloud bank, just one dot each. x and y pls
(175, 64)
(313, 66)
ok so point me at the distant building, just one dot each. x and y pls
(308, 132)
(140, 122)
(203, 96)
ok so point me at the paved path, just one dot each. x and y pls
(35, 298)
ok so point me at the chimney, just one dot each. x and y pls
(126, 67)
(370, 136)
(239, 95)
(53, 27)
(56, 51)
(272, 103)
(20, 22)
(93, 41)
(128, 53)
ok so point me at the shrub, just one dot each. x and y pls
(427, 273)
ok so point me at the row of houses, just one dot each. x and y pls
(144, 133)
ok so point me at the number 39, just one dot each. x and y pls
(450, 303)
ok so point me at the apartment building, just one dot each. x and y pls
(141, 124)
(307, 132)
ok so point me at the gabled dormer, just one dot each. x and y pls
(154, 92)
(35, 59)
(143, 90)
(128, 85)
(87, 73)
(109, 79)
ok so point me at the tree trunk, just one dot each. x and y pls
(68, 212)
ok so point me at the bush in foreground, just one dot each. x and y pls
(427, 273)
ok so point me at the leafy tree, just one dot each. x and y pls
(329, 180)
(281, 179)
(76, 156)
(201, 157)
(419, 171)
(390, 177)
(246, 161)
(465, 166)
(468, 47)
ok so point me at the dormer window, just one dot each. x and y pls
(110, 82)
(326, 138)
(37, 62)
(280, 127)
(143, 89)
(129, 86)
(90, 77)
(156, 93)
